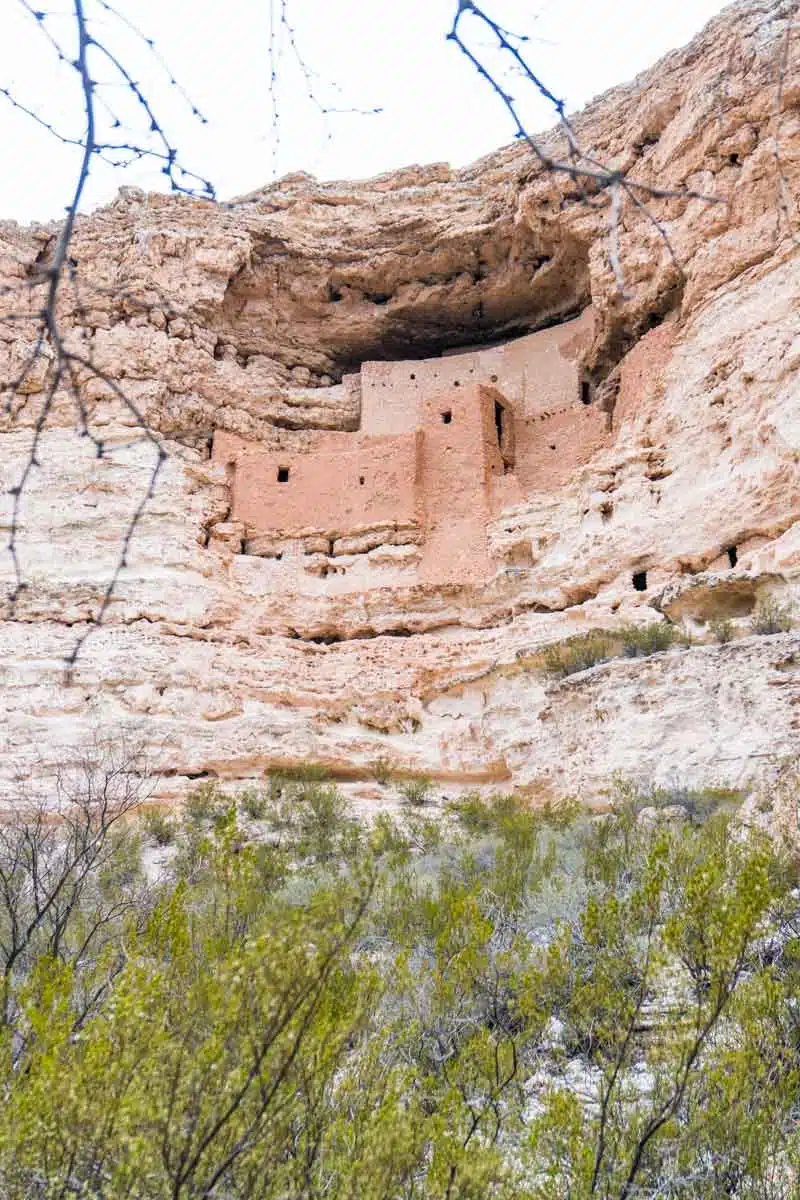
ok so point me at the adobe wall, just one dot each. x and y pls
(550, 448)
(537, 373)
(347, 482)
(459, 456)
(413, 491)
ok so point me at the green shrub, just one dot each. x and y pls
(205, 804)
(578, 653)
(480, 817)
(722, 631)
(516, 1013)
(640, 641)
(382, 771)
(417, 791)
(158, 826)
(474, 814)
(253, 804)
(386, 837)
(699, 803)
(291, 780)
(322, 826)
(424, 833)
(771, 617)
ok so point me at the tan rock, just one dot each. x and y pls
(650, 442)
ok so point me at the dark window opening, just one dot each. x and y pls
(412, 376)
(447, 417)
(733, 556)
(456, 383)
(733, 159)
(552, 445)
(283, 474)
(586, 392)
(640, 581)
(499, 417)
(278, 557)
(361, 480)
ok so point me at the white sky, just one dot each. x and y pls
(387, 53)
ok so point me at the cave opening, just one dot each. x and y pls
(733, 555)
(410, 336)
(640, 581)
(283, 474)
(586, 392)
(447, 416)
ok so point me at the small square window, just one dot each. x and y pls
(447, 416)
(283, 474)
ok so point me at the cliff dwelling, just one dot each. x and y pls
(443, 447)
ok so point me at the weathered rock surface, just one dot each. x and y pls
(251, 318)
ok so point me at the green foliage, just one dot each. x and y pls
(578, 653)
(417, 790)
(510, 1002)
(206, 804)
(722, 630)
(382, 771)
(698, 803)
(640, 641)
(284, 778)
(597, 646)
(771, 617)
(158, 826)
(253, 803)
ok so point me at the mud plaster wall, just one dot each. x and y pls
(427, 457)
(537, 373)
(460, 455)
(550, 448)
(348, 482)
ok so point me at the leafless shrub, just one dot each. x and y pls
(68, 867)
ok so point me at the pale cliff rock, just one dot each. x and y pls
(253, 318)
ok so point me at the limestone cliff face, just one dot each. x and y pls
(238, 638)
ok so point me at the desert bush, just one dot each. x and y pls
(698, 803)
(424, 834)
(507, 1003)
(640, 641)
(320, 826)
(578, 653)
(382, 771)
(287, 782)
(253, 803)
(417, 790)
(158, 826)
(205, 804)
(722, 630)
(771, 617)
(598, 646)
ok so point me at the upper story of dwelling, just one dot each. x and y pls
(538, 374)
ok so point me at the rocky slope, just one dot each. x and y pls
(245, 317)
